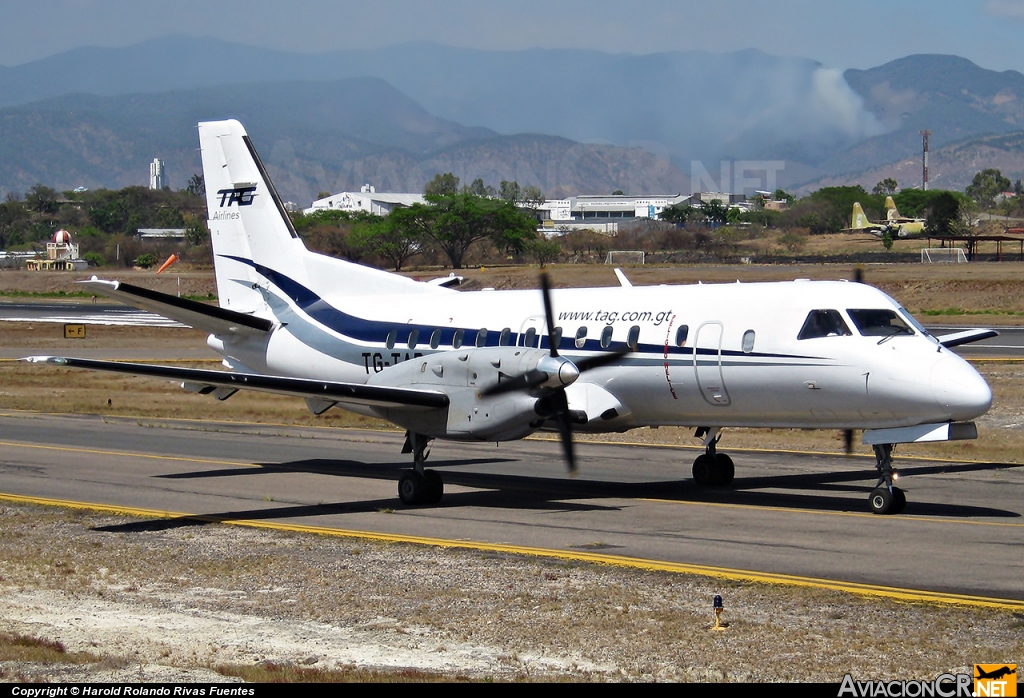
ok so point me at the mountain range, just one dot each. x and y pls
(568, 121)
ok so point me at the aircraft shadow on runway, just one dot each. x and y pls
(829, 491)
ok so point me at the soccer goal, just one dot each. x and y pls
(943, 255)
(625, 257)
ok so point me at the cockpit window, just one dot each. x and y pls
(823, 323)
(879, 323)
(917, 325)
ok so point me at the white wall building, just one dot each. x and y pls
(156, 174)
(366, 199)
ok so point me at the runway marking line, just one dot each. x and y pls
(911, 595)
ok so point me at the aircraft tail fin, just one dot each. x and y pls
(891, 213)
(255, 244)
(860, 219)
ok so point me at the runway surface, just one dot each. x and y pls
(786, 514)
(83, 313)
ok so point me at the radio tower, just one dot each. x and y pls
(924, 158)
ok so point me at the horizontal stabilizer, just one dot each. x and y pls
(197, 379)
(208, 318)
(966, 337)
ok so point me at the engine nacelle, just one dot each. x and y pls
(462, 375)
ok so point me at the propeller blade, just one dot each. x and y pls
(564, 420)
(549, 313)
(848, 441)
(523, 381)
(858, 275)
(602, 359)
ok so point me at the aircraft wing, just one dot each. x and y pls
(208, 318)
(966, 337)
(206, 381)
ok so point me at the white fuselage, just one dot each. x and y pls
(739, 361)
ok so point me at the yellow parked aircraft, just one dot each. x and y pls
(896, 225)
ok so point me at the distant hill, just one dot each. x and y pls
(968, 110)
(419, 105)
(313, 136)
(683, 105)
(951, 166)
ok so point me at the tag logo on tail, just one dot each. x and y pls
(242, 196)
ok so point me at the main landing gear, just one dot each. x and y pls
(419, 486)
(886, 498)
(711, 468)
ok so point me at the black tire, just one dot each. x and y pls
(881, 501)
(412, 488)
(435, 486)
(899, 501)
(725, 470)
(704, 470)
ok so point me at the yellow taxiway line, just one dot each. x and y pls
(910, 595)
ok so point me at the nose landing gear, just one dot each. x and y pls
(886, 498)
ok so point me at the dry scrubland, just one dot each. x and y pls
(188, 603)
(81, 599)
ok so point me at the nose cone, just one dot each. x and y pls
(960, 391)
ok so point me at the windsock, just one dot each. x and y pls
(170, 260)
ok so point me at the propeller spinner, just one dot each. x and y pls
(553, 375)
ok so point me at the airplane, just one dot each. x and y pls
(907, 227)
(995, 674)
(499, 365)
(896, 225)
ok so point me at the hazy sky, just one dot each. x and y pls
(840, 34)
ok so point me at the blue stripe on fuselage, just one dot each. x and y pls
(376, 331)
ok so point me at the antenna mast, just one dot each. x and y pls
(924, 158)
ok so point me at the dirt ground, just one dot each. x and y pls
(986, 292)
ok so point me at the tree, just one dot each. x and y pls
(531, 197)
(943, 214)
(41, 199)
(196, 232)
(95, 259)
(510, 191)
(677, 214)
(196, 185)
(478, 188)
(454, 222)
(389, 237)
(715, 212)
(986, 185)
(442, 185)
(145, 260)
(544, 251)
(887, 187)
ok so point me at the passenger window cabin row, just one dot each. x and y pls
(529, 338)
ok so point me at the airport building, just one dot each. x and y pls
(599, 212)
(366, 200)
(61, 255)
